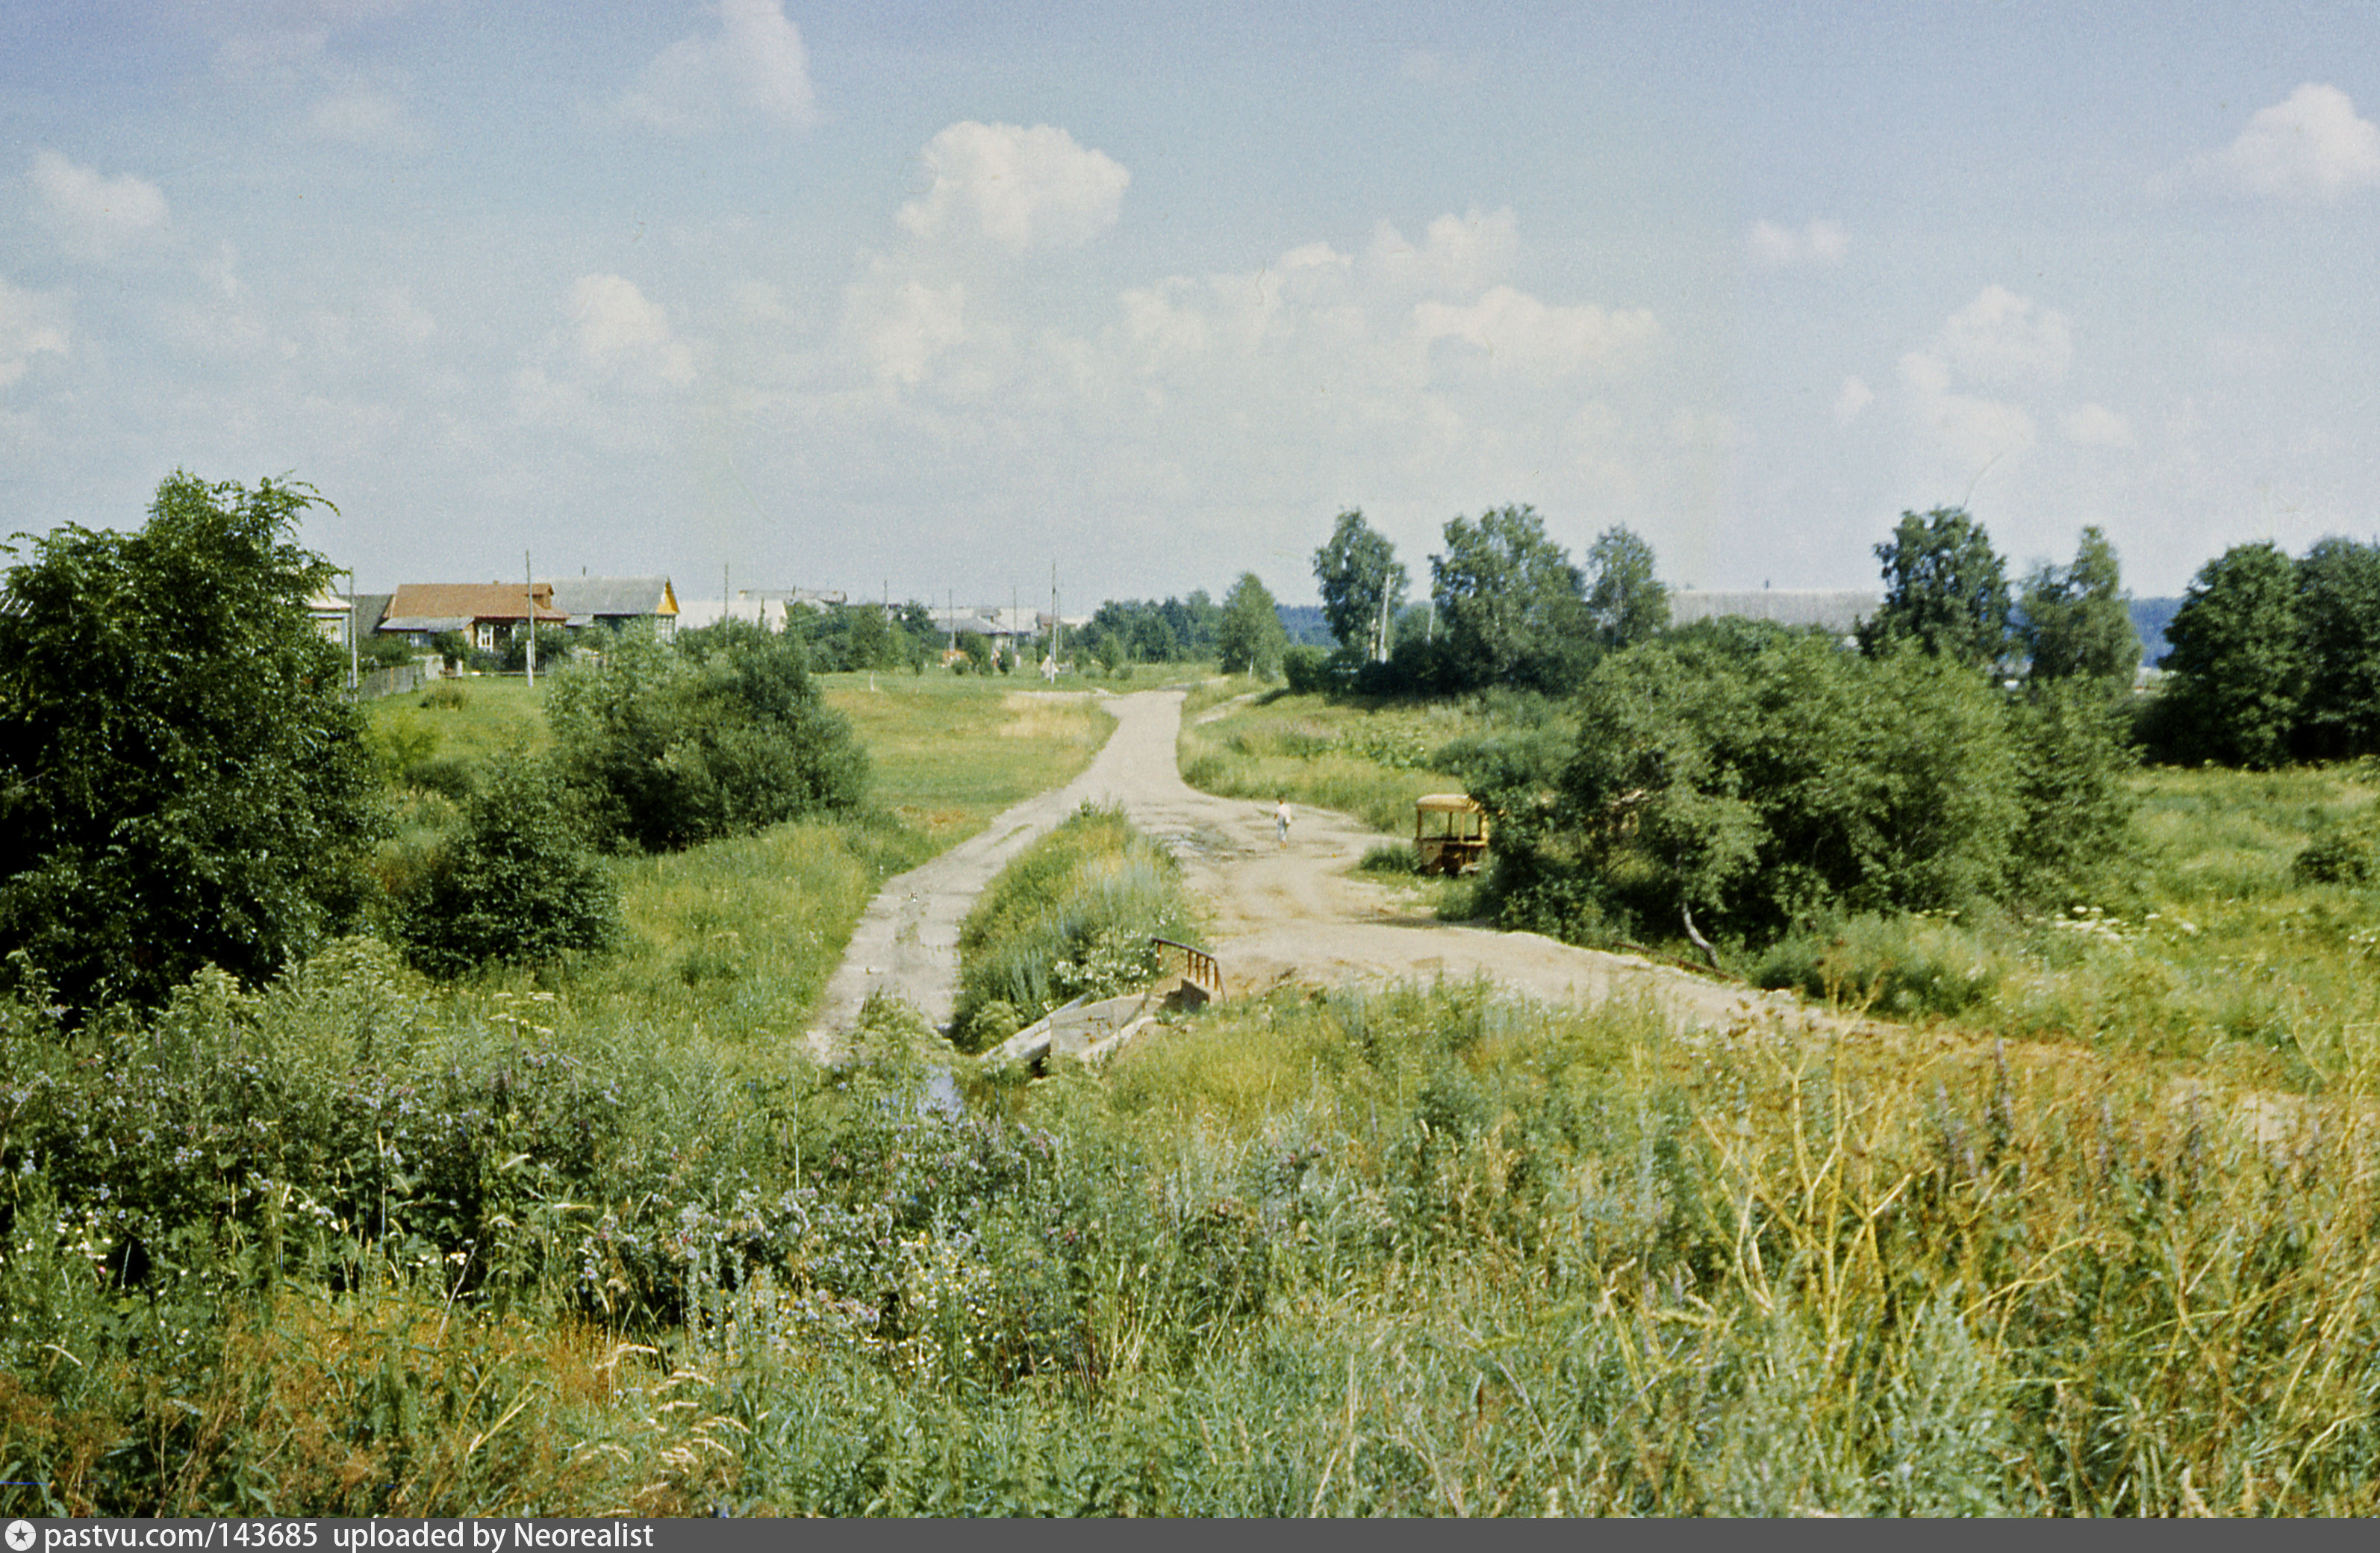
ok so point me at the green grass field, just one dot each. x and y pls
(1368, 761)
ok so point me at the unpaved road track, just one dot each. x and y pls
(1277, 914)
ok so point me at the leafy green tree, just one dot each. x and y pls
(182, 778)
(721, 733)
(1250, 638)
(554, 643)
(2238, 657)
(2075, 622)
(1760, 778)
(1945, 590)
(2339, 614)
(1362, 583)
(1511, 606)
(517, 886)
(1626, 602)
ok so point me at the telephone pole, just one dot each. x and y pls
(528, 578)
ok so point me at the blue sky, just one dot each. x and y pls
(936, 297)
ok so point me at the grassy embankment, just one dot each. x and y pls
(1070, 917)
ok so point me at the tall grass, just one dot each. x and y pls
(1413, 1252)
(2214, 948)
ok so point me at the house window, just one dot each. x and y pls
(484, 637)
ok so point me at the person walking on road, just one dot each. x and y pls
(1280, 822)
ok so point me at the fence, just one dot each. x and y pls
(394, 680)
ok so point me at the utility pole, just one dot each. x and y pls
(529, 576)
(354, 678)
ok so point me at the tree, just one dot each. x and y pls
(1250, 638)
(516, 887)
(2339, 614)
(2237, 658)
(1626, 602)
(1362, 583)
(182, 778)
(721, 733)
(1945, 590)
(2075, 622)
(1511, 606)
(1762, 778)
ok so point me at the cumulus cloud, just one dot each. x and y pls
(31, 324)
(2097, 426)
(755, 62)
(94, 217)
(2003, 339)
(619, 333)
(1820, 242)
(2311, 146)
(1018, 188)
(1457, 254)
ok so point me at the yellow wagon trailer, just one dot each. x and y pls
(1449, 832)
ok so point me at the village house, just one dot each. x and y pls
(615, 604)
(487, 613)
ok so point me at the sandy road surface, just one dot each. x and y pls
(1278, 914)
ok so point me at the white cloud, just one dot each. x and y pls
(900, 324)
(600, 374)
(619, 333)
(2311, 146)
(755, 61)
(1855, 397)
(1820, 242)
(92, 216)
(1019, 188)
(1520, 332)
(2097, 426)
(1970, 433)
(2001, 338)
(1458, 254)
(31, 324)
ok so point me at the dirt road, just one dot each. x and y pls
(1278, 914)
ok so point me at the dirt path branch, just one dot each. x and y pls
(1292, 915)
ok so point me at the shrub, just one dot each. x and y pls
(2343, 855)
(721, 734)
(1306, 671)
(516, 887)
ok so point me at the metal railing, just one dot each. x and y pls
(1197, 965)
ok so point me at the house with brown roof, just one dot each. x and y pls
(487, 613)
